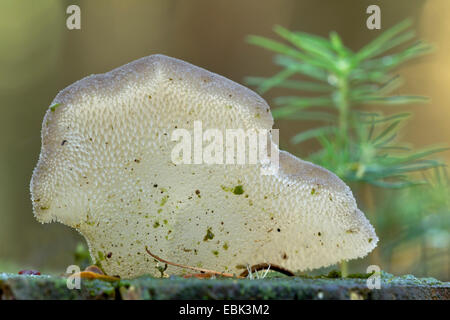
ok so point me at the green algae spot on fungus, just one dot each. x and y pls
(238, 190)
(100, 256)
(209, 235)
(54, 106)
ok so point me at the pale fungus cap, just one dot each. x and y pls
(105, 169)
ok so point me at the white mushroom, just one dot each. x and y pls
(105, 169)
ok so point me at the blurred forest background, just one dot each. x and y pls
(39, 56)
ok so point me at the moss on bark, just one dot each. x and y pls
(50, 287)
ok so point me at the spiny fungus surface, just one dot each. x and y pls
(105, 169)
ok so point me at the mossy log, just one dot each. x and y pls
(51, 287)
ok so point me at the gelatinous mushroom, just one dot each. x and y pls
(105, 169)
